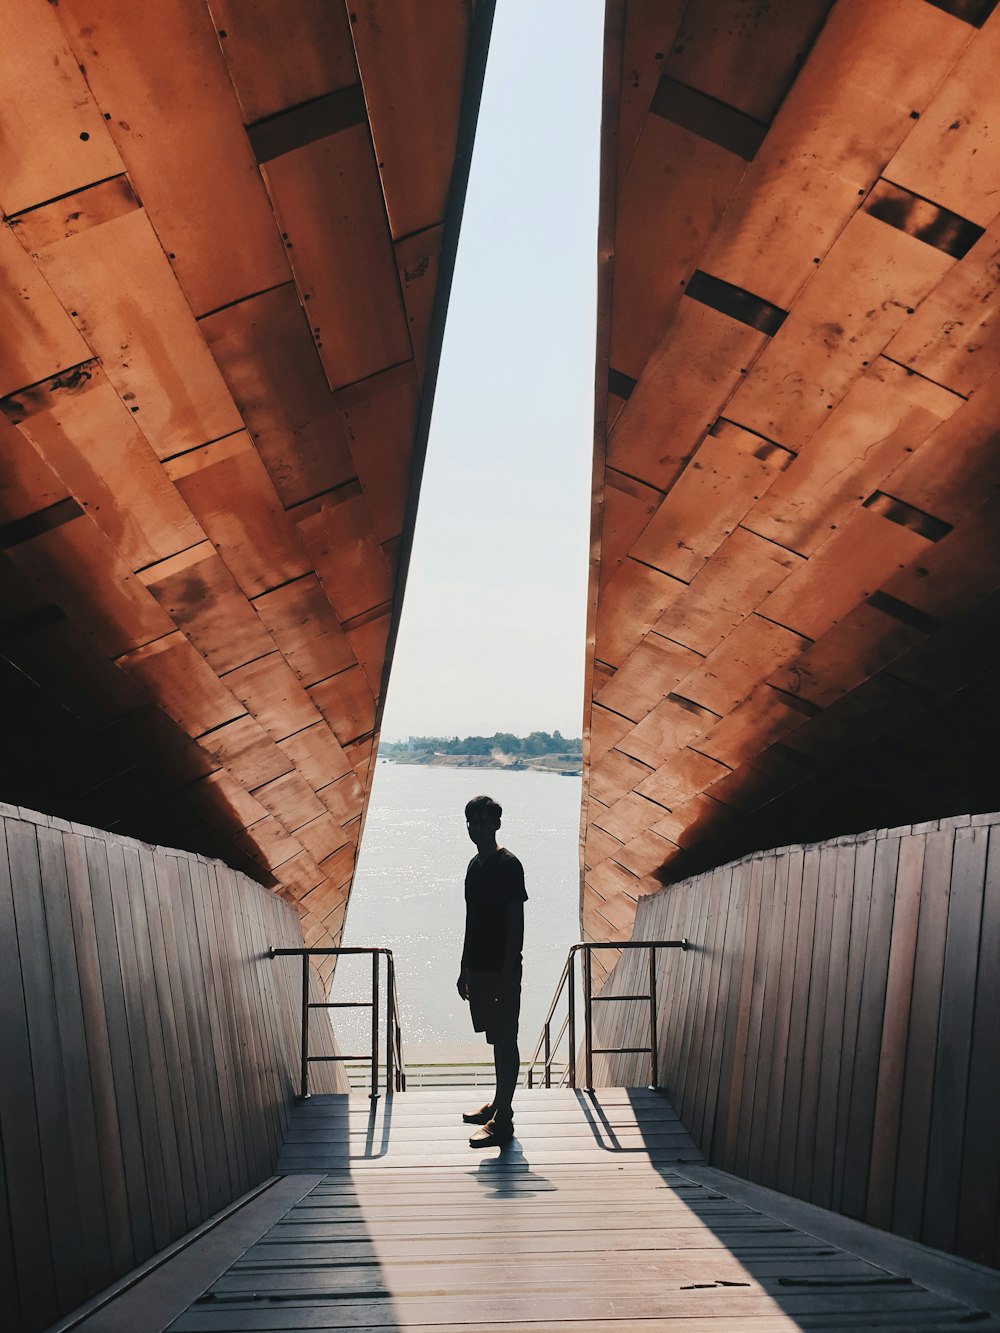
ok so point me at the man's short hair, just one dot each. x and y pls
(486, 807)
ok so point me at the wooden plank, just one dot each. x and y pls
(628, 507)
(82, 572)
(146, 887)
(750, 653)
(858, 1133)
(853, 563)
(56, 94)
(136, 1063)
(161, 84)
(674, 722)
(811, 1023)
(119, 1053)
(412, 66)
(183, 684)
(337, 534)
(346, 702)
(884, 417)
(380, 417)
(37, 336)
(100, 254)
(33, 1260)
(980, 1171)
(740, 578)
(922, 1036)
(654, 668)
(820, 350)
(687, 380)
(655, 261)
(92, 1241)
(303, 625)
(861, 911)
(93, 443)
(950, 153)
(729, 473)
(271, 693)
(954, 1048)
(341, 257)
(228, 488)
(850, 107)
(770, 1056)
(202, 597)
(317, 755)
(267, 356)
(279, 55)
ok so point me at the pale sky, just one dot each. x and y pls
(493, 626)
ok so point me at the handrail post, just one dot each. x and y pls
(374, 1092)
(572, 1018)
(548, 1056)
(588, 982)
(304, 1081)
(390, 1020)
(653, 1053)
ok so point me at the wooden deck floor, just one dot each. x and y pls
(593, 1219)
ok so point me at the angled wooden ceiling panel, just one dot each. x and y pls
(227, 240)
(796, 465)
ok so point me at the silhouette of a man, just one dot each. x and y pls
(490, 978)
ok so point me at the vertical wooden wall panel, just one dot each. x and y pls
(151, 1051)
(831, 1032)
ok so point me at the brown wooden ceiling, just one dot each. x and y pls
(228, 236)
(794, 583)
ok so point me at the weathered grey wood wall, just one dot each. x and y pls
(149, 1053)
(833, 1031)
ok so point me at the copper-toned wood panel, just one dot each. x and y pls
(328, 202)
(337, 534)
(200, 594)
(228, 488)
(730, 470)
(269, 361)
(407, 56)
(417, 259)
(872, 67)
(37, 336)
(831, 332)
(952, 154)
(303, 625)
(101, 255)
(87, 435)
(280, 55)
(273, 694)
(652, 670)
(347, 704)
(246, 750)
(635, 601)
(78, 148)
(160, 82)
(380, 416)
(183, 683)
(746, 655)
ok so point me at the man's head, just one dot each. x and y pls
(482, 818)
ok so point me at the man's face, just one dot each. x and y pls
(480, 826)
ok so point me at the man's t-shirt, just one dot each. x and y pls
(489, 886)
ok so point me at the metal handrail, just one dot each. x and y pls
(545, 1041)
(395, 1071)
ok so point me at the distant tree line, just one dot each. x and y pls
(501, 742)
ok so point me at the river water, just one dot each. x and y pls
(408, 896)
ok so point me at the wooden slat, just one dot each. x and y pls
(161, 82)
(409, 61)
(100, 254)
(328, 202)
(279, 55)
(380, 417)
(37, 335)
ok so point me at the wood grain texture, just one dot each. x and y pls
(150, 1060)
(825, 1034)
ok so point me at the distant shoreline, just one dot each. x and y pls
(566, 765)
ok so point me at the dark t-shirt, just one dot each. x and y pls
(489, 886)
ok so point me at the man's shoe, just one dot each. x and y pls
(495, 1133)
(480, 1117)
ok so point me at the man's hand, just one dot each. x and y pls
(463, 985)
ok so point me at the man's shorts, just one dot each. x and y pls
(495, 1009)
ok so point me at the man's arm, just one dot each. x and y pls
(514, 943)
